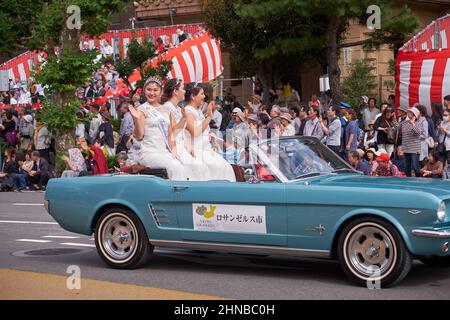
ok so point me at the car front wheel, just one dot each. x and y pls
(372, 253)
(121, 239)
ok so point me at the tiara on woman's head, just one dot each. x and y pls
(154, 79)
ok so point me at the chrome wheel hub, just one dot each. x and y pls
(119, 238)
(370, 249)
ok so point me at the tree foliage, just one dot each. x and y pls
(360, 82)
(49, 25)
(138, 56)
(17, 19)
(56, 118)
(238, 35)
(64, 73)
(40, 24)
(140, 52)
(271, 31)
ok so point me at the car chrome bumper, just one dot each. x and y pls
(443, 234)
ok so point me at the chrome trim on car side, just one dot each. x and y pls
(243, 248)
(154, 216)
(157, 216)
(431, 233)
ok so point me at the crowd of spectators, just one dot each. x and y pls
(374, 138)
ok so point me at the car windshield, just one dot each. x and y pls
(303, 157)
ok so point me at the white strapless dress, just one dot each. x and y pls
(219, 168)
(196, 168)
(154, 149)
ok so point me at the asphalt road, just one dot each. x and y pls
(25, 227)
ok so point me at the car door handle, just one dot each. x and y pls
(179, 188)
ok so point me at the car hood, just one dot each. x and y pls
(437, 187)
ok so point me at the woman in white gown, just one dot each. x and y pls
(174, 93)
(197, 135)
(152, 126)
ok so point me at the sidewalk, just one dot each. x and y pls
(17, 284)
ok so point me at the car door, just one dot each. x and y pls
(232, 212)
(311, 217)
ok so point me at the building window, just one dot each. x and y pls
(347, 56)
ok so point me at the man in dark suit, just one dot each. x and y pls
(40, 174)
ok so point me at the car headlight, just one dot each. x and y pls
(441, 212)
(46, 205)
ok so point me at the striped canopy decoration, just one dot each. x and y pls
(422, 77)
(423, 66)
(198, 59)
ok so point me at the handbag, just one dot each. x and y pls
(391, 133)
(441, 146)
(11, 137)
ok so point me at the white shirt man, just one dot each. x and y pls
(106, 49)
(312, 126)
(369, 115)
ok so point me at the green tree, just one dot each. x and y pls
(254, 45)
(311, 28)
(16, 17)
(360, 82)
(138, 56)
(50, 25)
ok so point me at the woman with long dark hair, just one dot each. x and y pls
(385, 125)
(174, 94)
(197, 134)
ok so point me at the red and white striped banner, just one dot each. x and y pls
(422, 77)
(19, 67)
(425, 39)
(198, 59)
(423, 66)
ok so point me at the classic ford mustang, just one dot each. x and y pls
(299, 198)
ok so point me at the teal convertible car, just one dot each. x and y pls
(298, 199)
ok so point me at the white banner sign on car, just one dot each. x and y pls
(229, 218)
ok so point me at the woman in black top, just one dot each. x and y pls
(105, 133)
(383, 125)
